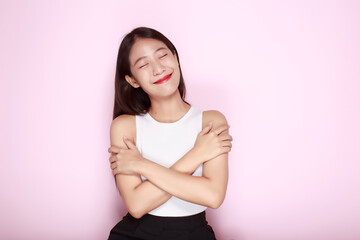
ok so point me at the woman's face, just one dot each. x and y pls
(154, 68)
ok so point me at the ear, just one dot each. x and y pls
(132, 81)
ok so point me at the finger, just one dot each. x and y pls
(227, 144)
(226, 149)
(113, 165)
(221, 129)
(129, 143)
(126, 142)
(113, 149)
(112, 159)
(207, 129)
(225, 137)
(115, 172)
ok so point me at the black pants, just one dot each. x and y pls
(169, 228)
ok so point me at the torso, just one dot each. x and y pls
(129, 129)
(165, 144)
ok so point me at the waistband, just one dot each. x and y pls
(172, 222)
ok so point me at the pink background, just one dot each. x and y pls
(285, 73)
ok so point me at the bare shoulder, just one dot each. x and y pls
(214, 116)
(123, 122)
(123, 125)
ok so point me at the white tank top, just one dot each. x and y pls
(166, 143)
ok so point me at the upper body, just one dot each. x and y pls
(209, 190)
(152, 71)
(165, 144)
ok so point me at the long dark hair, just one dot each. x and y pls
(130, 100)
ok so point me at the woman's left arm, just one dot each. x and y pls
(208, 190)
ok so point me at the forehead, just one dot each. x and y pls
(145, 47)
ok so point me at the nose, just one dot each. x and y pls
(158, 68)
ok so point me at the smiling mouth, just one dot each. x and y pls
(164, 79)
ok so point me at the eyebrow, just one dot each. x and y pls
(161, 48)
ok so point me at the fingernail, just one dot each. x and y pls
(125, 138)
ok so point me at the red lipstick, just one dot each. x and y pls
(164, 79)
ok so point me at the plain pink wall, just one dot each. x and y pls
(285, 73)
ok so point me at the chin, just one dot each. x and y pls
(168, 92)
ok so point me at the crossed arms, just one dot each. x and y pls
(211, 148)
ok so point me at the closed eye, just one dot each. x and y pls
(143, 65)
(163, 55)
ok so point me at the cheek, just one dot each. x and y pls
(141, 76)
(170, 62)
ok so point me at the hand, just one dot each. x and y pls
(210, 143)
(124, 161)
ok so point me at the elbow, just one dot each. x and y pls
(215, 204)
(216, 201)
(136, 214)
(136, 211)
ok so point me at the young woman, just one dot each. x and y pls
(169, 159)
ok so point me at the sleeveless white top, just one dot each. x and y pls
(166, 143)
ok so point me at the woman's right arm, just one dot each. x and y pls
(142, 197)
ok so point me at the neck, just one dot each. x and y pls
(168, 110)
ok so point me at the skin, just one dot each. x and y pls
(211, 147)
